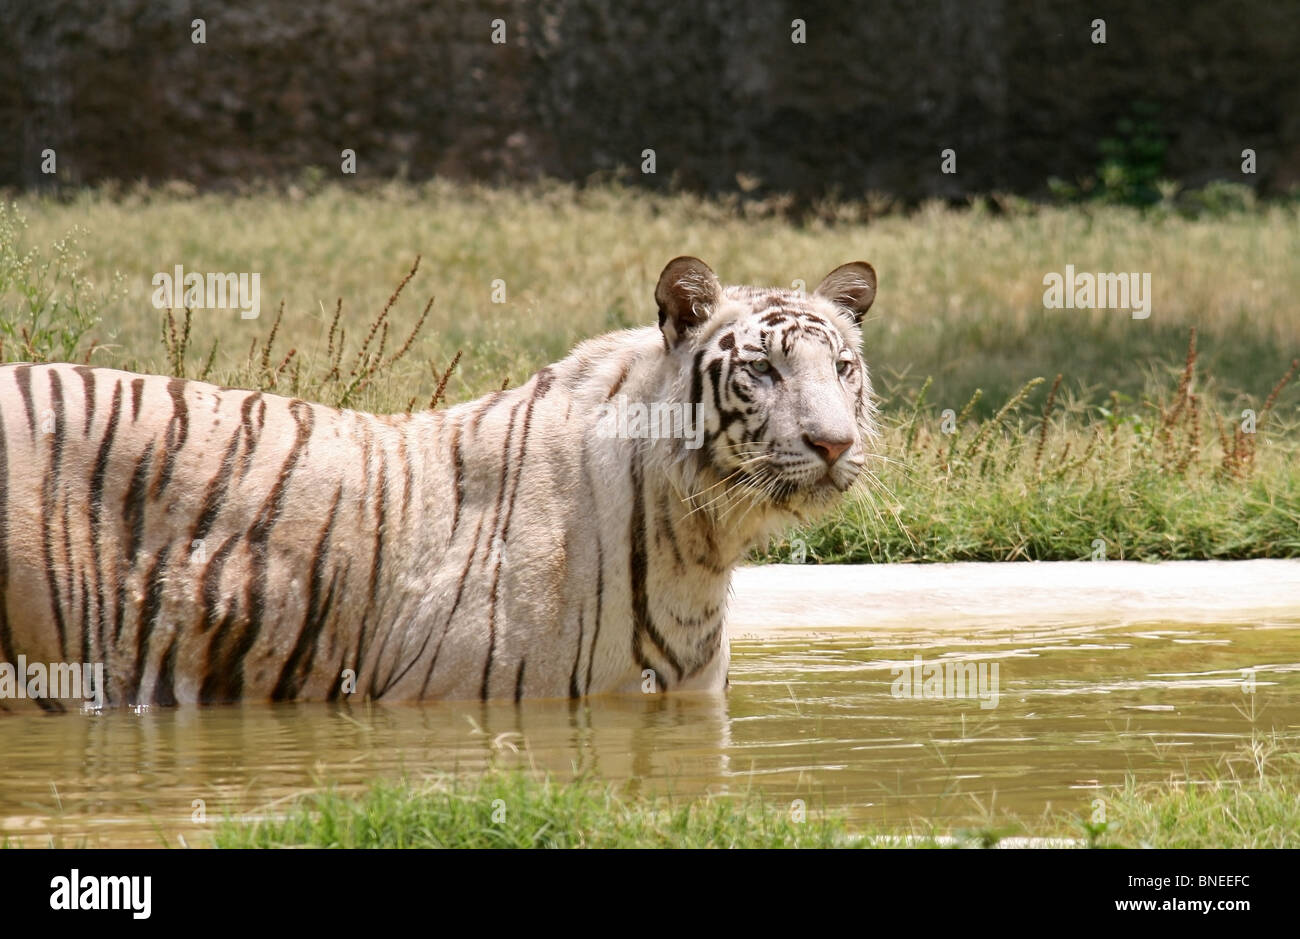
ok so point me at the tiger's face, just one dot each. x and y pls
(778, 379)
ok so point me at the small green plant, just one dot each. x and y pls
(1218, 199)
(984, 836)
(1132, 163)
(47, 306)
(1095, 832)
(1133, 160)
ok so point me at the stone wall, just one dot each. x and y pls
(716, 87)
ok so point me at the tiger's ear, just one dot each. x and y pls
(687, 292)
(852, 286)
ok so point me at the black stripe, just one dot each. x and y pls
(545, 377)
(47, 512)
(133, 506)
(637, 565)
(68, 564)
(493, 540)
(23, 376)
(137, 397)
(226, 680)
(210, 582)
(488, 403)
(149, 613)
(459, 488)
(367, 446)
(709, 642)
(96, 479)
(96, 495)
(618, 383)
(299, 662)
(715, 379)
(210, 591)
(178, 430)
(574, 692)
(119, 617)
(665, 527)
(251, 438)
(455, 603)
(215, 496)
(259, 536)
(88, 391)
(336, 687)
(408, 473)
(540, 387)
(376, 569)
(59, 433)
(697, 379)
(381, 525)
(643, 626)
(600, 599)
(85, 618)
(60, 428)
(519, 681)
(165, 694)
(212, 690)
(600, 573)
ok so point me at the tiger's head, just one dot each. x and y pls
(778, 383)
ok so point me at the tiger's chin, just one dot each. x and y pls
(812, 500)
(804, 497)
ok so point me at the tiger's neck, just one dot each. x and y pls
(686, 532)
(678, 573)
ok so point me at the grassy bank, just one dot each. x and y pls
(515, 810)
(1140, 450)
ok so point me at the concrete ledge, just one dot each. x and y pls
(778, 597)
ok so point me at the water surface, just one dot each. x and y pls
(809, 715)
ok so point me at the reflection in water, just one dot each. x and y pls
(808, 716)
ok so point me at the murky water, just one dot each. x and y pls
(811, 715)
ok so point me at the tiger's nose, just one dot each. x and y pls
(828, 450)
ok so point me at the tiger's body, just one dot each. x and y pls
(212, 544)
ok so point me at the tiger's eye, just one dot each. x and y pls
(761, 366)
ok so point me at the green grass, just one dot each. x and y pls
(1215, 814)
(515, 810)
(1252, 801)
(1137, 455)
(518, 810)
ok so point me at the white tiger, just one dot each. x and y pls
(212, 544)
